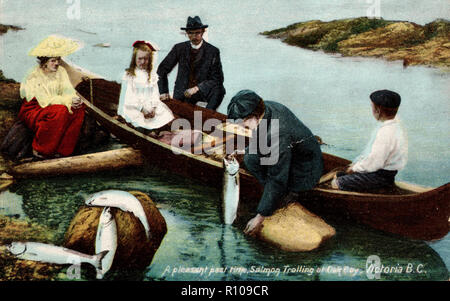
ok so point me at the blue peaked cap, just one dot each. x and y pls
(242, 104)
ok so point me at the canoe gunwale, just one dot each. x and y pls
(392, 197)
(422, 191)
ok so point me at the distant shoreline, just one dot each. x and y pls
(4, 28)
(391, 40)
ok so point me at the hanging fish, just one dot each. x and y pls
(42, 252)
(106, 240)
(230, 189)
(123, 200)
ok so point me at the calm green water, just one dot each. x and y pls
(329, 93)
(197, 239)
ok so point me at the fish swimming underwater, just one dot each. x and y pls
(42, 252)
(106, 240)
(123, 200)
(230, 192)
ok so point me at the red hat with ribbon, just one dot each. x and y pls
(152, 46)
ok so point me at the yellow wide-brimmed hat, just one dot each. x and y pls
(54, 46)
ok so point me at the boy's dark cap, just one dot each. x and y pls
(386, 98)
(242, 104)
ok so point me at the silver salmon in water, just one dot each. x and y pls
(42, 252)
(106, 240)
(123, 200)
(230, 192)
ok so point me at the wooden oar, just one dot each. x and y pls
(206, 147)
(327, 177)
(330, 175)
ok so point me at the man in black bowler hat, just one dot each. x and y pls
(200, 75)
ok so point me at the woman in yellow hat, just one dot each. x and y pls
(51, 107)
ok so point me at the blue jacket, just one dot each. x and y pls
(299, 165)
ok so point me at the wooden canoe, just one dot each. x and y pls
(408, 210)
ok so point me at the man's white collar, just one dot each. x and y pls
(197, 46)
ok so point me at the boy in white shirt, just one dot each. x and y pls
(385, 154)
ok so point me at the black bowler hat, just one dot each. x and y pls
(194, 23)
(386, 98)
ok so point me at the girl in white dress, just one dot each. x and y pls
(139, 102)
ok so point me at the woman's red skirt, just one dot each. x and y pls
(56, 131)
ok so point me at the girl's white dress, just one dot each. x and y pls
(138, 93)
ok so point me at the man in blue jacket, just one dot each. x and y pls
(291, 163)
(200, 75)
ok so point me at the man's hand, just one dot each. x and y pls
(164, 96)
(189, 92)
(254, 225)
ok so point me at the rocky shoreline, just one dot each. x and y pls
(13, 269)
(5, 28)
(12, 228)
(9, 108)
(391, 40)
(3, 79)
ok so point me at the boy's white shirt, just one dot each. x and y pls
(389, 149)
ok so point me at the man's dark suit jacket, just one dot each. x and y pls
(208, 69)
